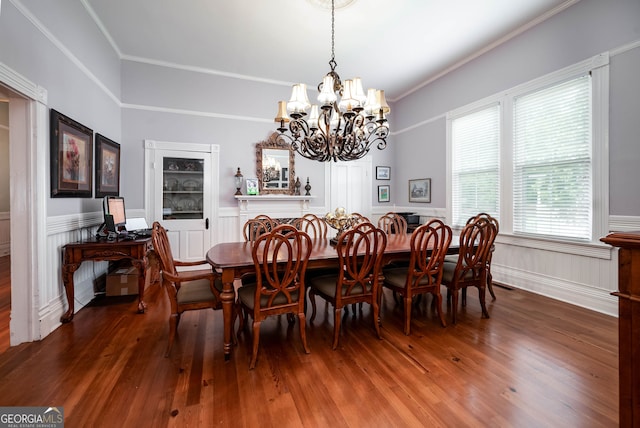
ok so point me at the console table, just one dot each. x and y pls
(103, 250)
(628, 324)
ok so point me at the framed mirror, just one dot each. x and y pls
(275, 166)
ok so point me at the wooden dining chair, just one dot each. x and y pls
(187, 290)
(392, 223)
(358, 218)
(320, 227)
(470, 269)
(495, 222)
(429, 244)
(358, 278)
(253, 228)
(280, 259)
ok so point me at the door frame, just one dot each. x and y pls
(28, 147)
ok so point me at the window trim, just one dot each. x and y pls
(598, 66)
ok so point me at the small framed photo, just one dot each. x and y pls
(107, 167)
(383, 193)
(420, 190)
(383, 173)
(71, 151)
(252, 186)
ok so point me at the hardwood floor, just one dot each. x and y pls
(536, 362)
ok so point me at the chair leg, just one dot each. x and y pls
(376, 315)
(454, 304)
(312, 298)
(407, 314)
(303, 332)
(256, 341)
(490, 285)
(241, 317)
(464, 296)
(437, 302)
(337, 319)
(481, 293)
(173, 327)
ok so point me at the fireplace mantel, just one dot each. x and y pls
(275, 206)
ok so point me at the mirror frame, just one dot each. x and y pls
(274, 143)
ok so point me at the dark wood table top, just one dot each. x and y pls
(238, 254)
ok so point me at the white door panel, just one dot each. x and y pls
(183, 194)
(351, 186)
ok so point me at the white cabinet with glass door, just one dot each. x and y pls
(182, 189)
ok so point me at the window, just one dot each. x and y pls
(475, 164)
(535, 156)
(552, 161)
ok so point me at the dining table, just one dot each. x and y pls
(234, 259)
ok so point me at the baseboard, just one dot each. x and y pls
(582, 295)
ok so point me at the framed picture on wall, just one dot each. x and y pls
(420, 190)
(383, 173)
(107, 167)
(383, 193)
(71, 152)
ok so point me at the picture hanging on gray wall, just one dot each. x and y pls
(420, 190)
(71, 151)
(107, 167)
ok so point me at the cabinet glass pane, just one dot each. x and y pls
(182, 188)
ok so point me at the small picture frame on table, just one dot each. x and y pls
(420, 190)
(383, 193)
(107, 167)
(252, 186)
(71, 153)
(383, 173)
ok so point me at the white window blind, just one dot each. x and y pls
(552, 161)
(475, 182)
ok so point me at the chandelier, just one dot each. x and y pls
(340, 129)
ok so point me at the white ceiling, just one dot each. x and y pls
(396, 45)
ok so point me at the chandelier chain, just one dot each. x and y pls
(334, 131)
(333, 35)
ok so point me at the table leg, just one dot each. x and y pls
(227, 296)
(142, 266)
(67, 279)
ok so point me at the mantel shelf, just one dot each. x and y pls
(274, 197)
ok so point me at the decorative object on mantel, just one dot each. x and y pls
(238, 180)
(252, 186)
(339, 220)
(307, 188)
(297, 187)
(341, 130)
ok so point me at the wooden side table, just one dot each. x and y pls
(103, 250)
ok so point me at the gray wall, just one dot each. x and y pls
(585, 29)
(184, 106)
(50, 44)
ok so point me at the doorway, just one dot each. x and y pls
(28, 149)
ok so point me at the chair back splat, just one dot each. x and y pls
(280, 259)
(392, 223)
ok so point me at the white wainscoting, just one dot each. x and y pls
(52, 300)
(584, 279)
(5, 234)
